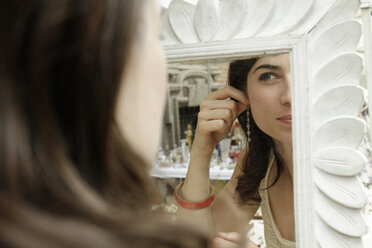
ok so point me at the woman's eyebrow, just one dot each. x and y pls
(267, 66)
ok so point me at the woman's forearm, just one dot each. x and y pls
(196, 186)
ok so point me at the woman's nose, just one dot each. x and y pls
(286, 93)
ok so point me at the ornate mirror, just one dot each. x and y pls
(322, 39)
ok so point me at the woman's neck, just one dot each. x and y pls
(285, 156)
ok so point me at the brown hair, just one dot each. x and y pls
(255, 163)
(67, 176)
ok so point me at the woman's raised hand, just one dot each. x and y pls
(215, 119)
(217, 114)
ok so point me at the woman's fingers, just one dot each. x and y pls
(230, 236)
(241, 108)
(227, 92)
(217, 114)
(209, 105)
(212, 125)
(231, 239)
(222, 243)
(236, 107)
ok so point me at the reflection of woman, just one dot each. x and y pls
(79, 83)
(263, 174)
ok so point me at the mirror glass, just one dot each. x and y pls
(189, 84)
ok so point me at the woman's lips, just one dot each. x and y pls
(287, 119)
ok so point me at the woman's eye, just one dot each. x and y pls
(267, 77)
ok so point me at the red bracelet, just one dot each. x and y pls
(190, 204)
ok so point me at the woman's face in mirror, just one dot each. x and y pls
(269, 93)
(142, 96)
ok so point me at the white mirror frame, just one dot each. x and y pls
(366, 7)
(322, 38)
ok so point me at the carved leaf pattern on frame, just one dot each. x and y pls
(336, 100)
(336, 70)
(343, 36)
(343, 100)
(344, 220)
(346, 191)
(345, 131)
(340, 161)
(343, 69)
(287, 14)
(336, 239)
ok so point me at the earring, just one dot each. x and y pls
(248, 126)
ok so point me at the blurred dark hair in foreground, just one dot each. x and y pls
(67, 176)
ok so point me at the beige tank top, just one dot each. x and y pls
(273, 237)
